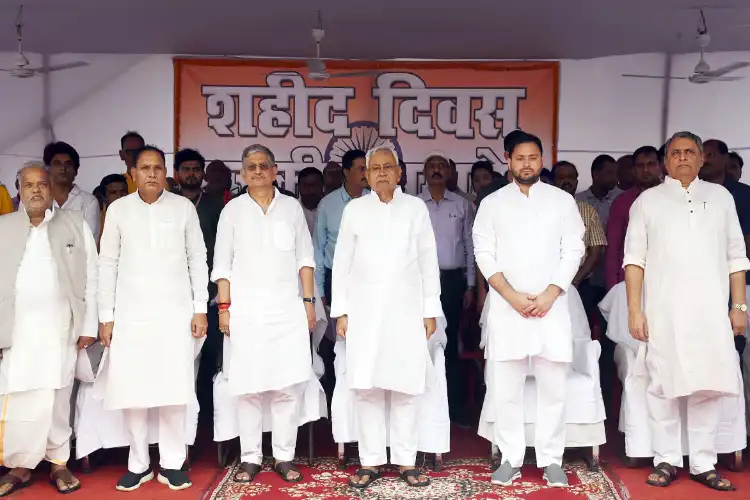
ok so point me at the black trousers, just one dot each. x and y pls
(453, 286)
(326, 348)
(210, 364)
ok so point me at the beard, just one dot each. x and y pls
(528, 180)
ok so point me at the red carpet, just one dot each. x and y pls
(465, 475)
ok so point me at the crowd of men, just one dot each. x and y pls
(149, 267)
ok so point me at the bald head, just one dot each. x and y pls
(33, 186)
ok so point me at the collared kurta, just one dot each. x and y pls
(261, 256)
(153, 277)
(386, 280)
(535, 241)
(688, 241)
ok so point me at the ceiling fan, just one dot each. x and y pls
(21, 62)
(703, 72)
(316, 67)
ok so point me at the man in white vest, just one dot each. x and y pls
(47, 312)
(263, 251)
(386, 296)
(153, 295)
(685, 253)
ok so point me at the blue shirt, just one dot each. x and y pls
(327, 222)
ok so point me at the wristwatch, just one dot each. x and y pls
(309, 300)
(741, 307)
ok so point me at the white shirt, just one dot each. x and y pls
(386, 279)
(688, 241)
(535, 241)
(261, 255)
(87, 204)
(42, 356)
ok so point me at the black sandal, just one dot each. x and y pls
(16, 484)
(251, 470)
(414, 473)
(372, 476)
(67, 479)
(284, 468)
(713, 480)
(666, 475)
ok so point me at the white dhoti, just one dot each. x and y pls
(284, 407)
(387, 416)
(35, 426)
(172, 448)
(665, 422)
(507, 380)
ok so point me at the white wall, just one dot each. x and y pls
(716, 110)
(600, 111)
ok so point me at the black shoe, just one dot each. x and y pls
(132, 481)
(175, 479)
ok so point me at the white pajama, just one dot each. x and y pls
(507, 385)
(172, 448)
(403, 429)
(285, 408)
(703, 418)
(58, 439)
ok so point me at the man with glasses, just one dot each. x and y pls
(63, 161)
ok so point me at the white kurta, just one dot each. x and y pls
(386, 279)
(688, 241)
(153, 277)
(42, 359)
(261, 256)
(535, 241)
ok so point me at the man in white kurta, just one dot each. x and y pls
(263, 250)
(386, 296)
(685, 252)
(48, 273)
(528, 241)
(152, 294)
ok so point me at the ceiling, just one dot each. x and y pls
(377, 29)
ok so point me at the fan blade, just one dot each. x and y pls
(60, 67)
(655, 77)
(356, 73)
(727, 78)
(727, 69)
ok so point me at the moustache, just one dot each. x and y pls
(437, 175)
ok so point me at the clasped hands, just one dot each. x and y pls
(533, 306)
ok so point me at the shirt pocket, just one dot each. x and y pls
(284, 236)
(172, 236)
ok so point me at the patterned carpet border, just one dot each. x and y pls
(459, 479)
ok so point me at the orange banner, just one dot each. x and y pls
(463, 109)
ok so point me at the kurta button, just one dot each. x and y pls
(691, 211)
(690, 201)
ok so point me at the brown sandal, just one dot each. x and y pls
(16, 484)
(67, 479)
(713, 480)
(665, 473)
(284, 468)
(251, 470)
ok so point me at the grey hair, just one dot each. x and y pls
(29, 165)
(258, 148)
(378, 149)
(684, 135)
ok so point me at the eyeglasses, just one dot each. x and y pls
(378, 169)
